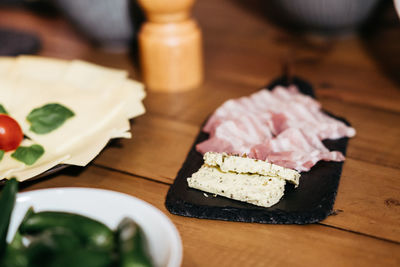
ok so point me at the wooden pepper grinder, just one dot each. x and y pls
(170, 46)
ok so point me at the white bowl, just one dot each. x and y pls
(109, 207)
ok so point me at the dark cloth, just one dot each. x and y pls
(16, 42)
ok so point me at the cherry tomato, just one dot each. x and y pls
(10, 133)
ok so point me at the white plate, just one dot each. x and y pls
(109, 207)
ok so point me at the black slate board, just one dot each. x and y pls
(311, 202)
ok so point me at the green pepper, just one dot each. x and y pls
(48, 244)
(15, 255)
(17, 242)
(91, 233)
(82, 258)
(15, 258)
(55, 247)
(60, 247)
(41, 248)
(7, 201)
(54, 239)
(131, 247)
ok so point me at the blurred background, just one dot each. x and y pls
(27, 26)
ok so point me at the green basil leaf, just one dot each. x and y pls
(48, 118)
(1, 154)
(28, 154)
(3, 110)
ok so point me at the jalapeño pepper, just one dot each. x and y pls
(131, 246)
(7, 201)
(91, 233)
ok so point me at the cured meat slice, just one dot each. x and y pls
(294, 149)
(237, 135)
(282, 126)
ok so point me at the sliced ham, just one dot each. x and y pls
(282, 126)
(294, 149)
(241, 133)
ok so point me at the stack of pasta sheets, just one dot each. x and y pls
(102, 99)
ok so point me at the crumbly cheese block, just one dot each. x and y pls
(256, 189)
(229, 163)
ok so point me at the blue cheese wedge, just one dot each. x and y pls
(229, 163)
(256, 189)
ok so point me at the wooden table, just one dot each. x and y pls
(353, 77)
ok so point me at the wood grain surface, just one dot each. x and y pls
(243, 51)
